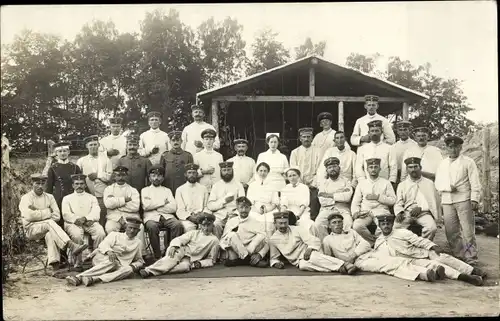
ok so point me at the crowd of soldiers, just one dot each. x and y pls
(325, 209)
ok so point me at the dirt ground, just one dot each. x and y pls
(35, 297)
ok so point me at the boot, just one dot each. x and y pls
(479, 272)
(471, 279)
(352, 270)
(440, 274)
(88, 280)
(144, 274)
(429, 276)
(73, 280)
(262, 264)
(76, 249)
(343, 269)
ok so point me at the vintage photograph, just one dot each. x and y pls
(250, 160)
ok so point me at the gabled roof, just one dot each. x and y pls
(321, 62)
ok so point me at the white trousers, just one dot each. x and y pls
(453, 267)
(55, 237)
(427, 222)
(395, 266)
(232, 240)
(107, 271)
(319, 262)
(77, 233)
(178, 264)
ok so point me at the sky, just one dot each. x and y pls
(458, 38)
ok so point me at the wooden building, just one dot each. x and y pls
(288, 97)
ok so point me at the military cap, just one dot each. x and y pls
(153, 114)
(205, 218)
(133, 138)
(412, 160)
(195, 107)
(38, 177)
(324, 115)
(115, 120)
(371, 98)
(209, 132)
(133, 221)
(243, 200)
(61, 145)
(453, 139)
(226, 164)
(120, 169)
(403, 124)
(335, 214)
(240, 141)
(157, 169)
(191, 166)
(77, 177)
(373, 161)
(293, 168)
(306, 131)
(175, 133)
(284, 214)
(421, 129)
(385, 218)
(92, 138)
(331, 161)
(375, 123)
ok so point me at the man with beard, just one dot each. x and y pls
(98, 168)
(208, 159)
(416, 201)
(191, 134)
(222, 197)
(244, 239)
(174, 161)
(324, 139)
(138, 166)
(39, 213)
(347, 161)
(425, 253)
(192, 250)
(430, 156)
(244, 166)
(118, 257)
(402, 145)
(80, 211)
(335, 193)
(115, 144)
(360, 134)
(191, 198)
(376, 149)
(301, 249)
(372, 198)
(153, 142)
(159, 207)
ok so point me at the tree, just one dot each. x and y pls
(308, 48)
(363, 63)
(267, 53)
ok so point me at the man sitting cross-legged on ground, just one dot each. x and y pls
(349, 246)
(192, 250)
(244, 238)
(425, 253)
(39, 214)
(301, 248)
(118, 256)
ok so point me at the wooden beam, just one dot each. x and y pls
(486, 171)
(341, 116)
(304, 99)
(312, 82)
(406, 111)
(215, 115)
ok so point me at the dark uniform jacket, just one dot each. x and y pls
(138, 167)
(59, 182)
(173, 161)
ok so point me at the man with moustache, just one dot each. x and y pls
(98, 169)
(115, 144)
(222, 197)
(208, 160)
(346, 157)
(402, 145)
(360, 134)
(243, 166)
(191, 134)
(430, 156)
(324, 139)
(138, 166)
(174, 161)
(244, 239)
(153, 142)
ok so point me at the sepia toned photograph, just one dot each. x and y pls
(250, 160)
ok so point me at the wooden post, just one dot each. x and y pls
(341, 116)
(406, 111)
(215, 115)
(486, 171)
(312, 82)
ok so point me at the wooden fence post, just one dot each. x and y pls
(486, 171)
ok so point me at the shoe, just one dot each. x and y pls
(352, 270)
(144, 274)
(88, 280)
(429, 276)
(440, 273)
(471, 279)
(343, 270)
(262, 264)
(479, 272)
(77, 249)
(73, 280)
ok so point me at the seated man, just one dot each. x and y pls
(335, 193)
(222, 197)
(192, 250)
(118, 256)
(372, 198)
(404, 243)
(81, 213)
(244, 238)
(416, 200)
(159, 209)
(39, 213)
(301, 249)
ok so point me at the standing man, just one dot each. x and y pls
(138, 166)
(153, 142)
(431, 156)
(208, 160)
(346, 157)
(222, 199)
(457, 180)
(115, 144)
(98, 169)
(324, 139)
(244, 166)
(360, 135)
(191, 134)
(417, 201)
(174, 162)
(402, 145)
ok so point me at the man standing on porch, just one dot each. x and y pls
(325, 139)
(360, 135)
(191, 134)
